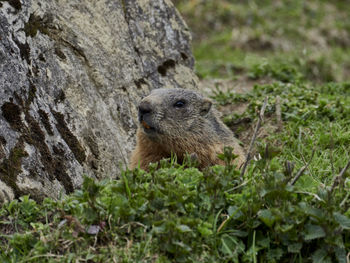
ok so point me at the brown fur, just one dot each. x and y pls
(194, 133)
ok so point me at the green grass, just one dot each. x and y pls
(315, 118)
(180, 214)
(313, 36)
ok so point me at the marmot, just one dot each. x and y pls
(180, 121)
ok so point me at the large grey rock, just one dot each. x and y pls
(71, 73)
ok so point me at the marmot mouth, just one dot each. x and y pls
(147, 128)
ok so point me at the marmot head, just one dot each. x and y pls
(173, 113)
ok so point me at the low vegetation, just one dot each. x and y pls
(179, 214)
(232, 36)
(292, 204)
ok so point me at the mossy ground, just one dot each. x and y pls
(180, 214)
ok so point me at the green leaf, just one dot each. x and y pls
(183, 228)
(315, 212)
(340, 254)
(295, 247)
(274, 254)
(205, 229)
(234, 212)
(231, 245)
(285, 228)
(320, 256)
(267, 217)
(226, 247)
(313, 232)
(182, 245)
(342, 220)
(158, 229)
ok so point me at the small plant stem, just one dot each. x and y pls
(305, 163)
(338, 178)
(257, 127)
(299, 139)
(126, 183)
(331, 150)
(279, 113)
(223, 224)
(254, 253)
(344, 200)
(302, 169)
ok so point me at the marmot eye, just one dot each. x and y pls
(179, 104)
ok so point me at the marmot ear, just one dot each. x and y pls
(205, 107)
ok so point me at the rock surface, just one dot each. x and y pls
(71, 73)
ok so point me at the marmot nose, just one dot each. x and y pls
(144, 108)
